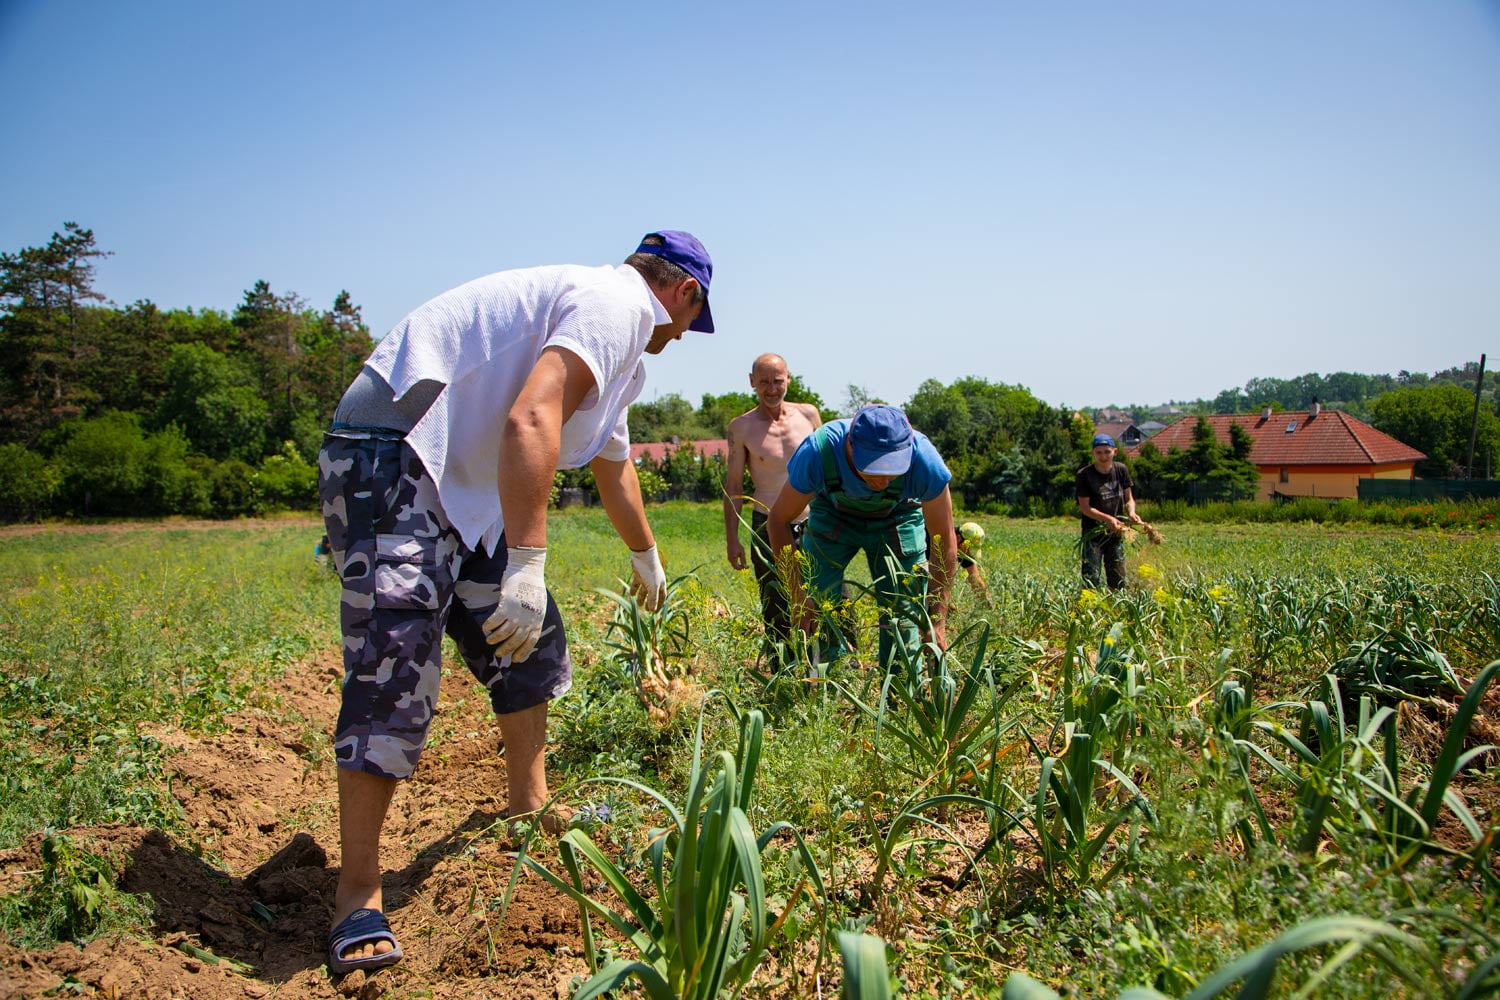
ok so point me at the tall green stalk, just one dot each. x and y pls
(704, 930)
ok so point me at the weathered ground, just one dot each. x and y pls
(241, 900)
(250, 916)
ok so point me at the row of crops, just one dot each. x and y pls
(1262, 767)
(1264, 777)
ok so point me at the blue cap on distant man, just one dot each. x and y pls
(684, 250)
(881, 439)
(1103, 439)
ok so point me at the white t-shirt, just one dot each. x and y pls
(482, 339)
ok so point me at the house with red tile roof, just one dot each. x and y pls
(1314, 452)
(658, 450)
(1125, 432)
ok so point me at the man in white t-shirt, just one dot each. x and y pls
(434, 480)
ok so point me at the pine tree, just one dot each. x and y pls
(47, 333)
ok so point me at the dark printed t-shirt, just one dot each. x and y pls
(1105, 490)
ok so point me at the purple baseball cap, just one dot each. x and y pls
(881, 439)
(684, 250)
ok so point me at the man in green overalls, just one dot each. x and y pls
(877, 486)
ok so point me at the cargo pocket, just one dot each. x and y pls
(406, 573)
(911, 539)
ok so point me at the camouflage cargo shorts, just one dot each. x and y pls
(408, 578)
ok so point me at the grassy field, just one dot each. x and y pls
(1101, 791)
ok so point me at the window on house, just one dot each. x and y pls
(1285, 477)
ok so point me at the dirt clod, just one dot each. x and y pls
(241, 902)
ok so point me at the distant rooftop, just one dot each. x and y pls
(1298, 438)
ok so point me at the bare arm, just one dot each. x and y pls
(1086, 508)
(531, 440)
(1130, 506)
(734, 500)
(620, 493)
(938, 515)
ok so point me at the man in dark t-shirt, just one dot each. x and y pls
(1105, 503)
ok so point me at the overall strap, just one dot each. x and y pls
(882, 504)
(831, 481)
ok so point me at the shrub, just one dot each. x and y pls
(653, 487)
(28, 484)
(103, 465)
(1464, 515)
(235, 490)
(287, 481)
(172, 484)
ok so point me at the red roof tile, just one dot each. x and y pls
(659, 449)
(1331, 438)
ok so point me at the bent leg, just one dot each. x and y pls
(775, 609)
(519, 692)
(830, 543)
(897, 557)
(525, 736)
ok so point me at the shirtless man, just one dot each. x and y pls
(766, 436)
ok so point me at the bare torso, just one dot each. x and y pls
(768, 444)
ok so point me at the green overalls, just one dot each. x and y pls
(889, 529)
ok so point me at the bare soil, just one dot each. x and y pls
(242, 901)
(249, 915)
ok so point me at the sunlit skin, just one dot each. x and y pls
(762, 441)
(682, 303)
(769, 382)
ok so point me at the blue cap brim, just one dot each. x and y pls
(705, 321)
(891, 463)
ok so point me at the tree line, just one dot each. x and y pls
(1009, 452)
(139, 410)
(1353, 393)
(108, 410)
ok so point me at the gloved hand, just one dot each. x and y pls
(515, 627)
(650, 579)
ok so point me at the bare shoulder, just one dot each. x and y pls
(811, 413)
(741, 422)
(739, 428)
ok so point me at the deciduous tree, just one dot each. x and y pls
(1435, 419)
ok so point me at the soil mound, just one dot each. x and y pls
(241, 901)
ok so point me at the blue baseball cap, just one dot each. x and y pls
(684, 250)
(1104, 439)
(881, 439)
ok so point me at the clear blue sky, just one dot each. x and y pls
(1102, 201)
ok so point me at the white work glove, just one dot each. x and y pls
(515, 627)
(650, 578)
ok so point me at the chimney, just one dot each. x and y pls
(1314, 410)
(1265, 412)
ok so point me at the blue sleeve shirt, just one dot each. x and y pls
(925, 480)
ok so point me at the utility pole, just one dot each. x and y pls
(1474, 425)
